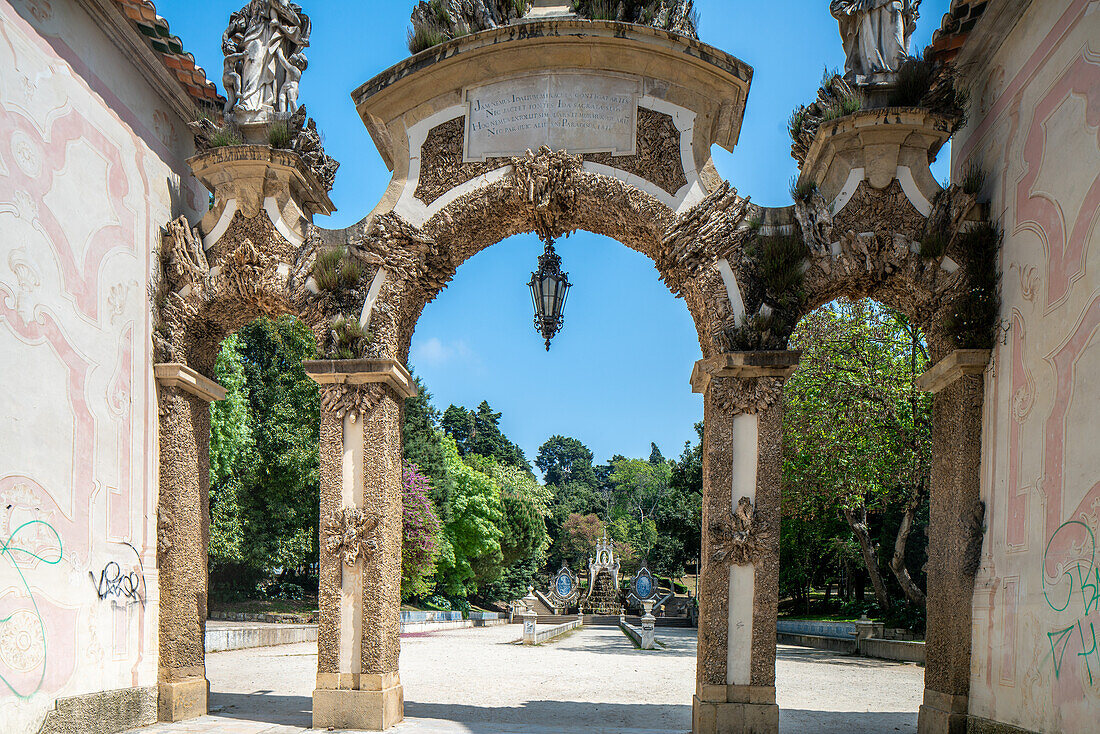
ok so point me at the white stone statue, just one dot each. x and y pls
(264, 59)
(876, 33)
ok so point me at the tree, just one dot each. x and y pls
(470, 552)
(422, 445)
(420, 542)
(478, 432)
(562, 460)
(655, 455)
(265, 489)
(230, 446)
(578, 537)
(857, 432)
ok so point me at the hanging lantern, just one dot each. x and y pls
(549, 288)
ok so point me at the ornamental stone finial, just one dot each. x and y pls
(876, 34)
(264, 48)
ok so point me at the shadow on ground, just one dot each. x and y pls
(296, 711)
(809, 655)
(565, 714)
(794, 721)
(264, 707)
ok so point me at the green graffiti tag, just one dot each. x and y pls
(1087, 579)
(9, 551)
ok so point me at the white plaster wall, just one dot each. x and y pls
(1035, 126)
(90, 169)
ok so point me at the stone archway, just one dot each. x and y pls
(636, 112)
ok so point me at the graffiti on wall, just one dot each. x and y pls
(23, 643)
(1073, 589)
(121, 587)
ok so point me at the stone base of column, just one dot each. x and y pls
(180, 700)
(943, 713)
(358, 701)
(735, 710)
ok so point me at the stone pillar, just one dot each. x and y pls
(739, 585)
(955, 530)
(183, 537)
(358, 683)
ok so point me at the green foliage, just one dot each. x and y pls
(562, 460)
(264, 463)
(470, 552)
(915, 79)
(478, 432)
(857, 436)
(225, 137)
(803, 190)
(976, 312)
(280, 135)
(349, 339)
(422, 442)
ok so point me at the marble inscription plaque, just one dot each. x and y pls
(578, 112)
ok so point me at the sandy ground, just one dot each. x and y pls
(475, 681)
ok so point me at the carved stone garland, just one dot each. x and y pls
(354, 400)
(754, 395)
(353, 533)
(738, 538)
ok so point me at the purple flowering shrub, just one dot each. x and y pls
(420, 547)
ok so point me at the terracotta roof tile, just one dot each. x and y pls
(192, 77)
(956, 26)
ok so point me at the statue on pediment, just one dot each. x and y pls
(264, 49)
(876, 34)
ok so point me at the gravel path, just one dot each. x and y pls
(593, 681)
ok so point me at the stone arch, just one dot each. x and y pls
(508, 206)
(642, 176)
(242, 262)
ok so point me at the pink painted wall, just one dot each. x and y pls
(1035, 126)
(90, 164)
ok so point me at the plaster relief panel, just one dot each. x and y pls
(575, 111)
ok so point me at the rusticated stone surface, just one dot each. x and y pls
(331, 481)
(442, 167)
(956, 469)
(717, 505)
(183, 511)
(382, 575)
(725, 398)
(658, 158)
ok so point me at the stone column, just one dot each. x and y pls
(358, 683)
(183, 537)
(955, 531)
(739, 585)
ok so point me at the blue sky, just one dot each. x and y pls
(617, 377)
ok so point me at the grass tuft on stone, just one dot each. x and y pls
(421, 38)
(280, 135)
(802, 191)
(974, 315)
(226, 137)
(349, 339)
(326, 270)
(973, 179)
